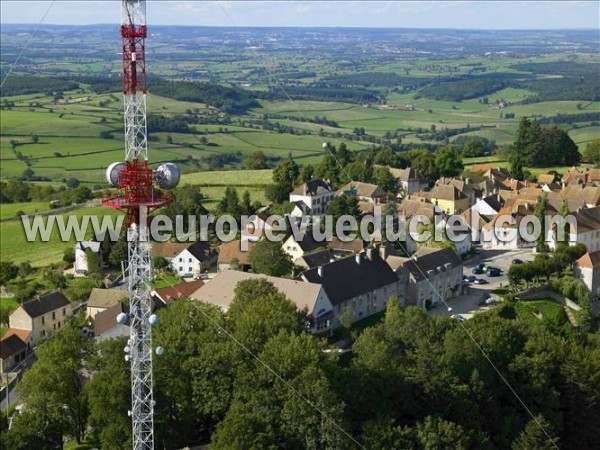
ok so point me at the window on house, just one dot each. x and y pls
(53, 315)
(43, 333)
(64, 312)
(54, 326)
(189, 269)
(181, 268)
(43, 320)
(180, 259)
(189, 259)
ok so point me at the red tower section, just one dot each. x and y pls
(135, 177)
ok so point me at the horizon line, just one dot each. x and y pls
(373, 27)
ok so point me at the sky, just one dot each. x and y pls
(473, 14)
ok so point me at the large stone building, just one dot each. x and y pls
(432, 273)
(40, 317)
(361, 284)
(309, 297)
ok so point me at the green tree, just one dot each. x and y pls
(53, 387)
(118, 250)
(516, 166)
(268, 258)
(276, 193)
(538, 435)
(424, 162)
(384, 178)
(306, 173)
(72, 183)
(8, 271)
(540, 211)
(448, 161)
(69, 256)
(160, 262)
(285, 174)
(259, 312)
(246, 206)
(344, 205)
(256, 161)
(591, 154)
(435, 433)
(109, 395)
(473, 149)
(230, 203)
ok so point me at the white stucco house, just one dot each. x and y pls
(314, 195)
(80, 265)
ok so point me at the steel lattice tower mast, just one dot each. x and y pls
(137, 198)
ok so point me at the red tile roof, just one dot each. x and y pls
(172, 293)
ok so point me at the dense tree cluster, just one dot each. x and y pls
(591, 154)
(29, 84)
(254, 378)
(543, 147)
(17, 191)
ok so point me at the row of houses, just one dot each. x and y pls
(31, 322)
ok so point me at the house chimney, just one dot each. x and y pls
(320, 271)
(370, 254)
(357, 258)
(383, 251)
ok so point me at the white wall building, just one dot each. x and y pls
(315, 194)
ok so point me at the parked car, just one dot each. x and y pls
(203, 276)
(517, 261)
(458, 317)
(493, 272)
(481, 281)
(187, 275)
(471, 278)
(480, 266)
(477, 271)
(490, 301)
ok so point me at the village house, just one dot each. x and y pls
(105, 325)
(587, 269)
(448, 198)
(40, 317)
(231, 256)
(256, 229)
(409, 180)
(359, 285)
(365, 192)
(587, 231)
(309, 297)
(315, 195)
(432, 273)
(82, 248)
(102, 299)
(464, 185)
(500, 234)
(169, 294)
(297, 248)
(187, 260)
(12, 351)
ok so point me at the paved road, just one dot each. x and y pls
(467, 305)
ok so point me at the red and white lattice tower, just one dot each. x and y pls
(136, 198)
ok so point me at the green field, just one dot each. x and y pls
(8, 210)
(15, 247)
(229, 178)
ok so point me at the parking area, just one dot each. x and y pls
(466, 305)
